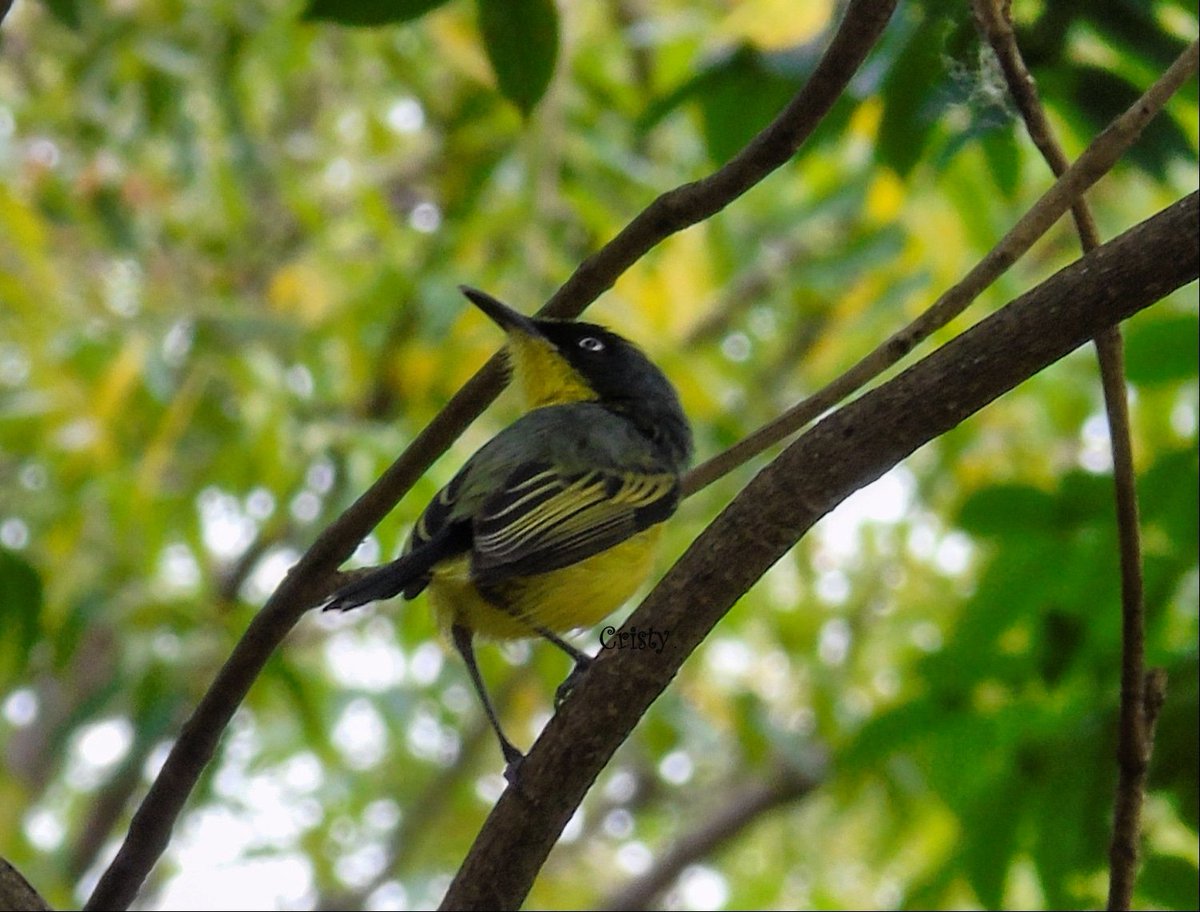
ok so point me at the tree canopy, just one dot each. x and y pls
(231, 236)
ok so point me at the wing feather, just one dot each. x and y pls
(543, 519)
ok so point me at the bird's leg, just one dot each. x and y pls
(512, 756)
(583, 662)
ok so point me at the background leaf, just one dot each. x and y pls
(368, 12)
(66, 12)
(20, 611)
(521, 38)
(230, 240)
(1162, 350)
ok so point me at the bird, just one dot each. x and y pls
(553, 523)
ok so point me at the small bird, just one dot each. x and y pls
(553, 523)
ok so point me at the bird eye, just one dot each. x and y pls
(591, 343)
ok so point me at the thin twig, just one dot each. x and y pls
(1135, 743)
(847, 450)
(994, 18)
(1094, 163)
(313, 575)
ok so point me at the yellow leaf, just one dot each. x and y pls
(300, 290)
(776, 24)
(668, 292)
(885, 196)
(120, 377)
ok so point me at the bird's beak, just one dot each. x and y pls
(501, 314)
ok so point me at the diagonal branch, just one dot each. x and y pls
(15, 891)
(311, 577)
(844, 452)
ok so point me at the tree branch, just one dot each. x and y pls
(844, 452)
(1096, 161)
(312, 576)
(15, 892)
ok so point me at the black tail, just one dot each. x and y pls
(381, 583)
(408, 574)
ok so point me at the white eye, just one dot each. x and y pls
(591, 343)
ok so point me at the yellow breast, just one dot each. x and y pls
(580, 595)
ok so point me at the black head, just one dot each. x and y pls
(599, 365)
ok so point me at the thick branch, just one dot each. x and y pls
(310, 578)
(16, 893)
(844, 452)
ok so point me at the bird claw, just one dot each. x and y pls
(514, 759)
(573, 679)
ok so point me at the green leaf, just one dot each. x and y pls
(113, 213)
(738, 94)
(741, 96)
(909, 98)
(521, 37)
(1162, 350)
(1062, 637)
(1170, 882)
(1007, 510)
(1064, 783)
(66, 12)
(20, 609)
(1169, 490)
(990, 828)
(1084, 499)
(368, 12)
(1003, 156)
(1101, 96)
(1173, 774)
(893, 731)
(1132, 26)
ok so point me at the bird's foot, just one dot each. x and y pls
(582, 664)
(513, 759)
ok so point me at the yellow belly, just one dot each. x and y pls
(580, 595)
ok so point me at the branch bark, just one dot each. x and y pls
(844, 452)
(16, 893)
(313, 575)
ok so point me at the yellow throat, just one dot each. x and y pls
(543, 375)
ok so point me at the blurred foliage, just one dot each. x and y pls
(230, 237)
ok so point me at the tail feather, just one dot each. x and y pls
(408, 574)
(381, 583)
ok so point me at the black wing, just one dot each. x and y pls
(543, 519)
